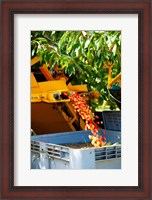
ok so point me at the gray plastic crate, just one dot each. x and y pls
(112, 120)
(48, 151)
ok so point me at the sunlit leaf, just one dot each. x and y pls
(87, 43)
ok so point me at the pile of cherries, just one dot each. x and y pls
(86, 114)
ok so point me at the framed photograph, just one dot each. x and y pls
(26, 26)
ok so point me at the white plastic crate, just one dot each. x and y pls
(48, 151)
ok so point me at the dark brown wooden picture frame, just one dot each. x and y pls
(11, 7)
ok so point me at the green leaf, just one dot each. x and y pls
(63, 39)
(88, 55)
(87, 43)
(98, 80)
(69, 47)
(114, 49)
(33, 52)
(98, 44)
(65, 65)
(78, 52)
(71, 70)
(53, 64)
(42, 40)
(47, 58)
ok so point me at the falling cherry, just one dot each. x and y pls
(85, 112)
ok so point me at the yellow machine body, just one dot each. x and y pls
(47, 113)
